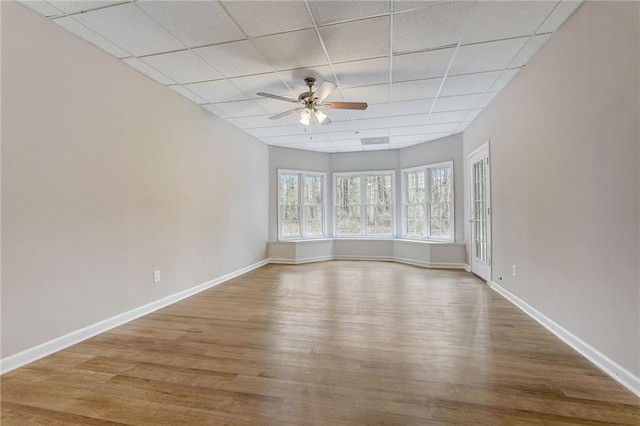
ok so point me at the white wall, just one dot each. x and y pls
(565, 186)
(437, 151)
(445, 149)
(107, 176)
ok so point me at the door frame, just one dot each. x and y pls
(487, 272)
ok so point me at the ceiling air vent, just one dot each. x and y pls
(375, 141)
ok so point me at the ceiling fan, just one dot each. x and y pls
(311, 103)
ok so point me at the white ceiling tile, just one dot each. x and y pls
(297, 49)
(502, 81)
(338, 115)
(75, 6)
(41, 7)
(456, 103)
(349, 41)
(363, 73)
(296, 129)
(372, 123)
(418, 66)
(216, 91)
(269, 83)
(409, 120)
(473, 114)
(148, 71)
(183, 67)
(372, 111)
(428, 28)
(296, 139)
(486, 99)
(240, 123)
(490, 56)
(339, 126)
(188, 94)
(130, 29)
(269, 132)
(303, 146)
(217, 111)
(195, 23)
(404, 5)
(86, 34)
(235, 59)
(261, 18)
(469, 84)
(371, 94)
(416, 89)
(375, 133)
(439, 128)
(313, 137)
(259, 121)
(447, 117)
(561, 13)
(343, 136)
(418, 106)
(241, 108)
(495, 20)
(294, 78)
(274, 106)
(348, 143)
(433, 136)
(406, 131)
(400, 140)
(529, 50)
(326, 12)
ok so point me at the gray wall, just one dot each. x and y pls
(292, 159)
(564, 143)
(107, 176)
(445, 149)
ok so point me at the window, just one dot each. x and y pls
(427, 196)
(364, 204)
(300, 204)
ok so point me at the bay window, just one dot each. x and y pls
(300, 204)
(364, 204)
(427, 197)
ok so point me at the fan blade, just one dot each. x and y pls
(324, 90)
(280, 98)
(346, 105)
(283, 114)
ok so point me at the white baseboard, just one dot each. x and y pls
(466, 267)
(610, 367)
(374, 258)
(33, 354)
(299, 261)
(351, 257)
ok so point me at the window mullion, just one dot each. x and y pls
(301, 184)
(363, 205)
(427, 204)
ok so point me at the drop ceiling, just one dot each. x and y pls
(426, 68)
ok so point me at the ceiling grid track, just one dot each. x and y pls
(450, 59)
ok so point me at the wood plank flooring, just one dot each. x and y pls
(333, 343)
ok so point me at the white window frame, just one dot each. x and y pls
(363, 206)
(427, 196)
(301, 176)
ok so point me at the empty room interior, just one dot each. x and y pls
(320, 212)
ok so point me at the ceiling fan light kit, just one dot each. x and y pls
(311, 103)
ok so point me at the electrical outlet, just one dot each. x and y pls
(514, 270)
(156, 276)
